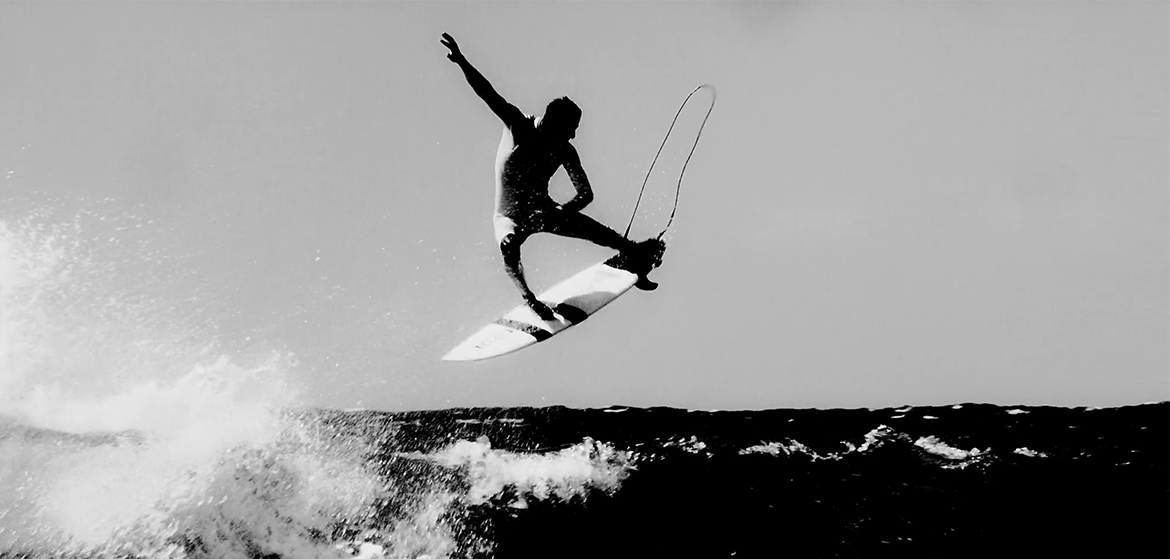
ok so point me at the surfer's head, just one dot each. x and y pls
(561, 118)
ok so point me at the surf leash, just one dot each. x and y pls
(678, 188)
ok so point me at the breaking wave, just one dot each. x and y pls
(128, 430)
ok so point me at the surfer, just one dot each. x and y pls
(531, 150)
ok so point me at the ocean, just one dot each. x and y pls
(128, 429)
(962, 480)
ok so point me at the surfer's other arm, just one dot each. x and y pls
(572, 163)
(503, 109)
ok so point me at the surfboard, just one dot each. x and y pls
(573, 300)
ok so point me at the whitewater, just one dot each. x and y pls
(127, 429)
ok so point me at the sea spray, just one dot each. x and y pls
(123, 433)
(126, 430)
(266, 492)
(89, 302)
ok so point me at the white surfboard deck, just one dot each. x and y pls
(574, 300)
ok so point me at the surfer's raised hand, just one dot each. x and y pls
(455, 56)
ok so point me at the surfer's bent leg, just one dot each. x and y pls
(645, 256)
(580, 226)
(510, 238)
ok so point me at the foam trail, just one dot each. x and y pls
(563, 474)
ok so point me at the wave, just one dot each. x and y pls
(467, 482)
(310, 491)
(126, 430)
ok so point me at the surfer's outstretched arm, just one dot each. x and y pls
(503, 109)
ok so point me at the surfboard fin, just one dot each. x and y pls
(646, 284)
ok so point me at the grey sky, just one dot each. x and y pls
(892, 203)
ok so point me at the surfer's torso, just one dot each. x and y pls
(525, 162)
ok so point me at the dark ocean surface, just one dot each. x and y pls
(970, 480)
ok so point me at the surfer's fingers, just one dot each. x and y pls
(449, 42)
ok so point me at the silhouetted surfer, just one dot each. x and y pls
(531, 150)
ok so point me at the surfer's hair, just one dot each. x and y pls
(563, 108)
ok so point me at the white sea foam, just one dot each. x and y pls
(873, 439)
(563, 474)
(211, 462)
(789, 448)
(123, 432)
(1025, 451)
(692, 445)
(961, 458)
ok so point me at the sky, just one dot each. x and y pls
(892, 203)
